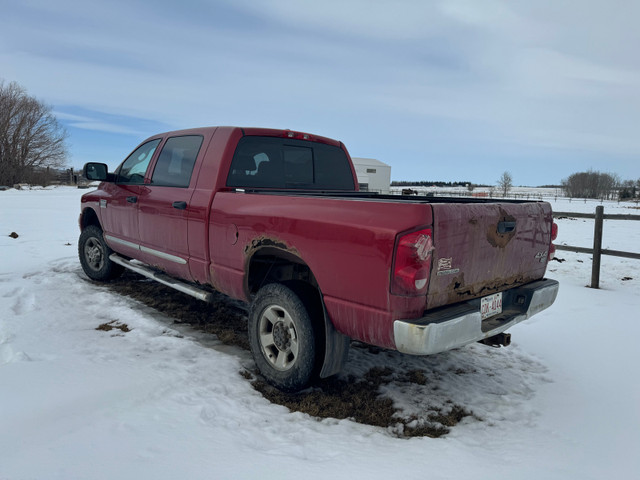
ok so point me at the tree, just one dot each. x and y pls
(31, 139)
(591, 184)
(505, 182)
(627, 190)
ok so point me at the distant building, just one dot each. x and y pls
(373, 175)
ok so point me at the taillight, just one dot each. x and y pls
(554, 235)
(412, 263)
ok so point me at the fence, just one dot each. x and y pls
(597, 251)
(495, 194)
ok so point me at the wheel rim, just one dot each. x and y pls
(94, 254)
(278, 337)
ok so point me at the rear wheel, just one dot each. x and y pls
(283, 336)
(94, 255)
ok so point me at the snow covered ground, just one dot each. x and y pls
(165, 402)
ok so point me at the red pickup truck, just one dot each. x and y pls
(275, 218)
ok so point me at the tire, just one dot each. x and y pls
(94, 256)
(284, 336)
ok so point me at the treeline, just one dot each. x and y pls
(604, 186)
(629, 189)
(403, 183)
(32, 142)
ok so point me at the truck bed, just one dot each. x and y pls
(482, 246)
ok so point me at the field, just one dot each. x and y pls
(128, 381)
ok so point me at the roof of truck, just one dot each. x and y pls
(255, 131)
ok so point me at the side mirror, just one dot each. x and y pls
(96, 171)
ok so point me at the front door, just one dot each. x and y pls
(120, 212)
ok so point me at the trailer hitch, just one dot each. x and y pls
(497, 341)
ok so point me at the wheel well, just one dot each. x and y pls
(89, 217)
(272, 265)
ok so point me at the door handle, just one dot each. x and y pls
(180, 205)
(506, 227)
(132, 199)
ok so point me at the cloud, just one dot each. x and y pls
(89, 123)
(500, 76)
(404, 20)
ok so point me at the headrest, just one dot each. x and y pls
(244, 161)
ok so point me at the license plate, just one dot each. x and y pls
(491, 305)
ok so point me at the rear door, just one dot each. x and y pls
(484, 248)
(164, 206)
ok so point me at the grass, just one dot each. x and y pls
(107, 327)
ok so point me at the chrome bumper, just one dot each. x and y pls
(458, 325)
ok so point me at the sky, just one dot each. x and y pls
(452, 90)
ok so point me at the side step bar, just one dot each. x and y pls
(183, 287)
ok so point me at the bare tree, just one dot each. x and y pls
(31, 139)
(505, 182)
(592, 184)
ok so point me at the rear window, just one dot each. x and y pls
(268, 162)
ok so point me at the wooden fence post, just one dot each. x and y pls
(597, 247)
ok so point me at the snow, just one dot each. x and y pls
(162, 401)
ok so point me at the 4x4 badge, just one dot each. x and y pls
(542, 256)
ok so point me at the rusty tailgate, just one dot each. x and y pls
(486, 248)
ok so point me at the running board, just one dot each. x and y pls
(162, 278)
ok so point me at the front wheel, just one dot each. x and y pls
(94, 255)
(283, 337)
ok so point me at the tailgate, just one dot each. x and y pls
(486, 248)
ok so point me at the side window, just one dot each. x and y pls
(175, 163)
(134, 167)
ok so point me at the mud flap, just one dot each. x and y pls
(336, 348)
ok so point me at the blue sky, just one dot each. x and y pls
(440, 90)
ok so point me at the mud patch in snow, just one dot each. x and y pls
(405, 395)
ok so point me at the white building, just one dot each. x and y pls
(373, 175)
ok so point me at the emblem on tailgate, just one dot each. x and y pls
(542, 256)
(445, 267)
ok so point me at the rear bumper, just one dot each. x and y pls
(454, 326)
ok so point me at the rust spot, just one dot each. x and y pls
(454, 287)
(458, 291)
(261, 242)
(500, 240)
